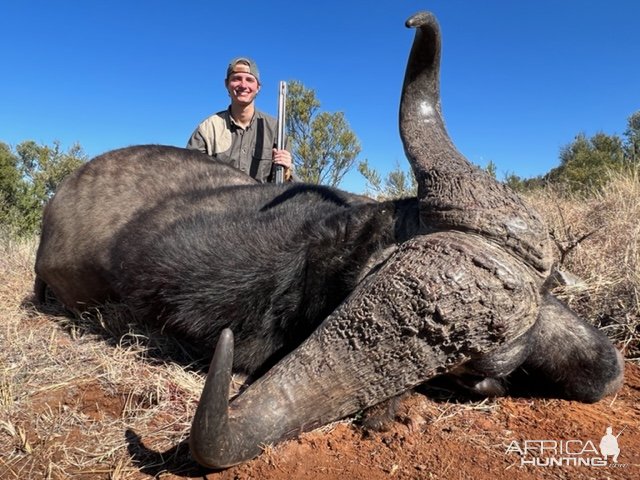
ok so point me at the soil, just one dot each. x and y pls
(431, 439)
(435, 436)
(435, 440)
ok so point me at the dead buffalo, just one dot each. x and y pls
(335, 303)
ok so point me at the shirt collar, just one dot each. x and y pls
(233, 124)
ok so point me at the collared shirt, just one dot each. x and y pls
(248, 149)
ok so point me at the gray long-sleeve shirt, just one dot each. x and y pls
(248, 149)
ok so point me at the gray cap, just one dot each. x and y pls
(253, 68)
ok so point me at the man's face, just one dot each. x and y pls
(242, 85)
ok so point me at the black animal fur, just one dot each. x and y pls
(301, 253)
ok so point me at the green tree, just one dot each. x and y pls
(632, 134)
(44, 167)
(9, 185)
(515, 182)
(492, 168)
(522, 185)
(585, 162)
(324, 147)
(397, 183)
(33, 173)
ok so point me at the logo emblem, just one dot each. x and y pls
(609, 445)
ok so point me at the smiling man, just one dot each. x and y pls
(241, 135)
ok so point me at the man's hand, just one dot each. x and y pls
(282, 157)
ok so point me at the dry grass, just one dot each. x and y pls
(75, 395)
(600, 235)
(78, 395)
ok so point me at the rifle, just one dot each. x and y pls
(280, 134)
(624, 428)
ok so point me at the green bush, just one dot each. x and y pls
(29, 176)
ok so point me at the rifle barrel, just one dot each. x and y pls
(281, 123)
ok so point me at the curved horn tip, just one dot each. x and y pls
(210, 429)
(222, 360)
(421, 19)
(226, 339)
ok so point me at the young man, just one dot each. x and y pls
(242, 136)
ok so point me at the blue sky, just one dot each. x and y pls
(519, 78)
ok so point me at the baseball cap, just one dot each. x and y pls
(253, 68)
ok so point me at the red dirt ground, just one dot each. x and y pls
(439, 440)
(432, 439)
(446, 441)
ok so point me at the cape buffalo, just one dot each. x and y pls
(335, 303)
